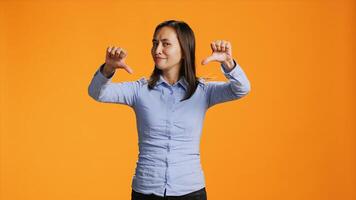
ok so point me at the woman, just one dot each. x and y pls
(170, 109)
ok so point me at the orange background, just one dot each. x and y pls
(291, 138)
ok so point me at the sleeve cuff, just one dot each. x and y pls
(233, 72)
(100, 74)
(224, 70)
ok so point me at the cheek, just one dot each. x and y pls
(173, 53)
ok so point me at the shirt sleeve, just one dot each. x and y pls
(102, 89)
(236, 87)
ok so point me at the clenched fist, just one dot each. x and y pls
(115, 58)
(221, 52)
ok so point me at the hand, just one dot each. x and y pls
(115, 58)
(222, 52)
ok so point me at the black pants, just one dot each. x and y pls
(196, 195)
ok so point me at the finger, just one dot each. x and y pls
(223, 44)
(229, 48)
(228, 45)
(207, 60)
(218, 45)
(213, 46)
(108, 50)
(117, 52)
(122, 54)
(112, 52)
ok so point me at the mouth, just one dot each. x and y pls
(158, 59)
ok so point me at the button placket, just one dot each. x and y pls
(174, 101)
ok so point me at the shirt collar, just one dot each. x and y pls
(182, 81)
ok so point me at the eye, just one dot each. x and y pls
(166, 44)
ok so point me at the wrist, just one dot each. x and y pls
(228, 64)
(108, 71)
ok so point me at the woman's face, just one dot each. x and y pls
(166, 51)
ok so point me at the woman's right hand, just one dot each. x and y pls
(115, 58)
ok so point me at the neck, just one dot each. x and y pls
(171, 76)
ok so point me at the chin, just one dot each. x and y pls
(160, 67)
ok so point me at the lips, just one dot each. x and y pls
(158, 58)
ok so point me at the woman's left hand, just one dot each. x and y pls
(222, 52)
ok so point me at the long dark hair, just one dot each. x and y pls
(186, 40)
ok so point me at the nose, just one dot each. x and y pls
(158, 49)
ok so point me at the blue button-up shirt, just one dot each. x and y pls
(169, 131)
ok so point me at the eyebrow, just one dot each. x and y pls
(164, 39)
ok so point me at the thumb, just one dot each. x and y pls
(127, 68)
(207, 60)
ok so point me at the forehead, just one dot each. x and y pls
(166, 33)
